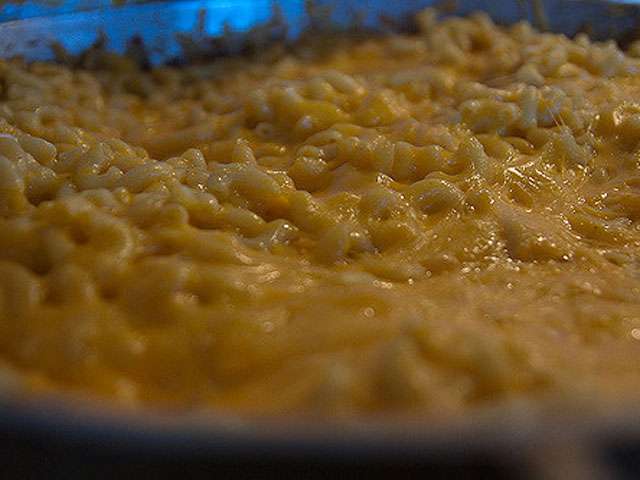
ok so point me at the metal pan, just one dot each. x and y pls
(63, 438)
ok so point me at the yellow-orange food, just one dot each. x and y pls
(424, 223)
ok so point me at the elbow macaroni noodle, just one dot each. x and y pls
(427, 223)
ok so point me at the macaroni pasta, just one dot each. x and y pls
(426, 223)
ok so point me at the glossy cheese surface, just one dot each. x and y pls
(425, 224)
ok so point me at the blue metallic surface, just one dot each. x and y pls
(157, 23)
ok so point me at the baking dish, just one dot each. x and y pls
(499, 441)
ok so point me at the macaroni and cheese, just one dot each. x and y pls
(424, 223)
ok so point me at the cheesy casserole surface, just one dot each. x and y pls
(427, 223)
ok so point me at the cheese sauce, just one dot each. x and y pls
(427, 223)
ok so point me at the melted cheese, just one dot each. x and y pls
(426, 223)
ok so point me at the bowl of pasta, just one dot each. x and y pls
(315, 237)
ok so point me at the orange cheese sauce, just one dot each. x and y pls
(424, 224)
